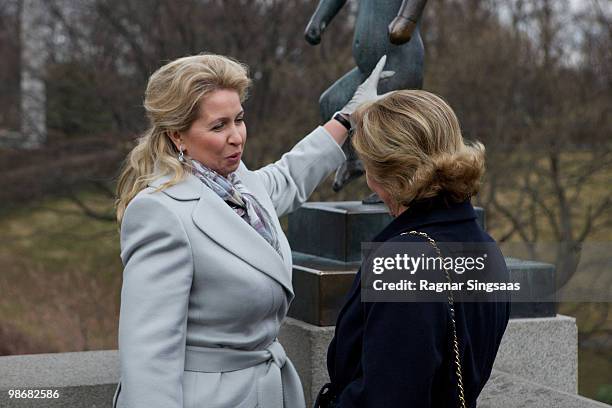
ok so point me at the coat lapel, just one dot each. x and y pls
(250, 180)
(217, 220)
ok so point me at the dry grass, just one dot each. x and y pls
(61, 276)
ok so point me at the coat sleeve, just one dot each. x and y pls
(290, 180)
(157, 276)
(403, 347)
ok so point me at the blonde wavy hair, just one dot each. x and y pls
(172, 100)
(410, 144)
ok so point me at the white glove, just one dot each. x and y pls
(368, 90)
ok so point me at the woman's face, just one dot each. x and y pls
(383, 194)
(217, 137)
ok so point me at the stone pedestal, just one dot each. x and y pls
(542, 350)
(537, 296)
(334, 230)
(326, 239)
(320, 286)
(306, 346)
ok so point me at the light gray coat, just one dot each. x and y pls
(204, 294)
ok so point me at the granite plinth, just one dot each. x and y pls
(543, 350)
(336, 229)
(321, 284)
(537, 296)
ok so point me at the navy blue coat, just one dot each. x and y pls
(388, 354)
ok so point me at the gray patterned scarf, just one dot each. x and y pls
(242, 201)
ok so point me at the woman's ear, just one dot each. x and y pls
(177, 139)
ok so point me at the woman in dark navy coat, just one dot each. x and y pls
(400, 354)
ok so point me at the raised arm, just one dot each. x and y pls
(290, 180)
(404, 24)
(157, 276)
(323, 15)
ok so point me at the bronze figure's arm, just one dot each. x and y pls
(325, 12)
(403, 25)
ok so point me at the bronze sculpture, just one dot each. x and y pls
(382, 27)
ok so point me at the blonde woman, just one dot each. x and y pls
(401, 354)
(207, 268)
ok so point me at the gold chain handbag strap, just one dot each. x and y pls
(451, 304)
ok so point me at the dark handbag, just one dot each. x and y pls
(326, 399)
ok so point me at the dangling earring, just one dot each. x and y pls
(393, 210)
(181, 156)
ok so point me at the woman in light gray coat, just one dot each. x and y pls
(207, 268)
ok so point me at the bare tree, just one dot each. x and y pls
(103, 51)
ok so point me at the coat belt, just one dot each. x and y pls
(279, 387)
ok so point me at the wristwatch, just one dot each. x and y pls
(343, 120)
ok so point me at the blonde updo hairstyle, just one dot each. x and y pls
(172, 100)
(411, 145)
